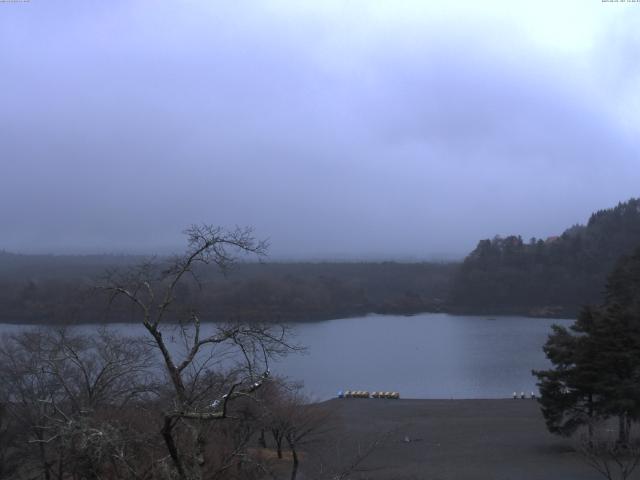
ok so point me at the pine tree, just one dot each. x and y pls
(596, 363)
(567, 392)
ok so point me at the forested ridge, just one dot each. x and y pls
(58, 289)
(504, 275)
(553, 276)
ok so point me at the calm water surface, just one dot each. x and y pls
(422, 356)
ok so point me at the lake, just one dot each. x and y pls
(430, 355)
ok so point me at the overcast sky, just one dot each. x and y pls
(354, 128)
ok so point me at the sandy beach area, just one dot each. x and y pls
(456, 440)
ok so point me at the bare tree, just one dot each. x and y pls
(308, 424)
(9, 458)
(608, 456)
(64, 393)
(199, 392)
(293, 421)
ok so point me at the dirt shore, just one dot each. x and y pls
(457, 440)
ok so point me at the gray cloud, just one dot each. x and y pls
(330, 135)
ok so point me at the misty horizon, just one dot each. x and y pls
(167, 250)
(340, 130)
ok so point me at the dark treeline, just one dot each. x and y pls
(540, 277)
(58, 289)
(554, 276)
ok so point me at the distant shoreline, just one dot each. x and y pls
(204, 320)
(317, 319)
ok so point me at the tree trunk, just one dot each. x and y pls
(201, 445)
(294, 456)
(590, 424)
(623, 431)
(60, 473)
(46, 465)
(167, 434)
(278, 439)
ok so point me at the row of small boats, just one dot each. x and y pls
(523, 395)
(396, 395)
(365, 394)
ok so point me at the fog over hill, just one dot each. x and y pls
(555, 276)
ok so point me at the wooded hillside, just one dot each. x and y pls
(554, 276)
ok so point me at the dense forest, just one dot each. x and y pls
(550, 277)
(58, 289)
(555, 276)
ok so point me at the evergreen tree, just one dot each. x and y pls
(567, 392)
(596, 363)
